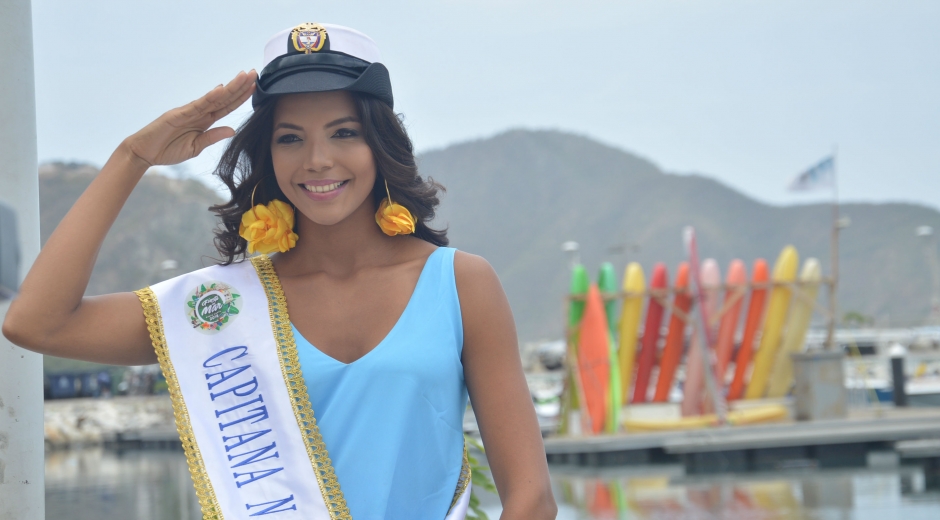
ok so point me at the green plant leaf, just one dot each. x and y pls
(232, 310)
(479, 477)
(202, 288)
(192, 304)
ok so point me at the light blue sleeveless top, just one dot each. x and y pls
(392, 420)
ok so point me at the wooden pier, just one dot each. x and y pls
(912, 434)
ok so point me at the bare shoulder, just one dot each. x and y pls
(474, 276)
(487, 317)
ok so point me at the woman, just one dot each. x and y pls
(328, 380)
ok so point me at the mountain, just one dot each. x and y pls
(164, 219)
(515, 197)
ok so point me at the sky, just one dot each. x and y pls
(750, 93)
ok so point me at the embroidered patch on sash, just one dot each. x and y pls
(212, 306)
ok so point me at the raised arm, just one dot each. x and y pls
(51, 315)
(499, 393)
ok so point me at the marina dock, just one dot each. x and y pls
(866, 437)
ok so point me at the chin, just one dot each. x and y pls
(322, 218)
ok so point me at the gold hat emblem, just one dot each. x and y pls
(308, 37)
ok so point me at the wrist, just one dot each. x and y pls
(126, 154)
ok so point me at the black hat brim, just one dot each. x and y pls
(374, 80)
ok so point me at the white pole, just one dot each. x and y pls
(22, 493)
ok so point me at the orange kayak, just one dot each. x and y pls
(675, 337)
(736, 279)
(594, 358)
(755, 315)
(651, 333)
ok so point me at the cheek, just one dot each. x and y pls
(363, 163)
(285, 164)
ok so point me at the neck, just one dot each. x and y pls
(339, 249)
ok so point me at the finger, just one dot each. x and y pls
(234, 90)
(237, 102)
(215, 98)
(210, 137)
(232, 97)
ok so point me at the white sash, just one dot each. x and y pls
(223, 339)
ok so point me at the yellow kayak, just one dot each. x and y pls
(779, 303)
(801, 312)
(633, 282)
(756, 415)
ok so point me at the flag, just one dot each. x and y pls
(822, 175)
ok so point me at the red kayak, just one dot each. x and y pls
(755, 315)
(675, 337)
(651, 333)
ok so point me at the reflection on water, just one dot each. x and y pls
(659, 492)
(155, 485)
(142, 485)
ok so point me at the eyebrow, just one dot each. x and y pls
(347, 119)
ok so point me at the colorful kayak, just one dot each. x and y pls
(736, 282)
(675, 337)
(651, 333)
(801, 311)
(784, 273)
(607, 283)
(634, 284)
(755, 316)
(594, 359)
(693, 391)
(579, 287)
(756, 415)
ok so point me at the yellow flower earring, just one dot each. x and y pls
(268, 228)
(394, 219)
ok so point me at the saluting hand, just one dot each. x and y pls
(183, 133)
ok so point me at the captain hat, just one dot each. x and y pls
(315, 57)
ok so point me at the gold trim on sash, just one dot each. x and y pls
(463, 480)
(197, 468)
(290, 366)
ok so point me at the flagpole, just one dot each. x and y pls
(834, 254)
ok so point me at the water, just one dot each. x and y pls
(155, 485)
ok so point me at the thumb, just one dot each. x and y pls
(210, 137)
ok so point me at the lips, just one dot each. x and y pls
(325, 189)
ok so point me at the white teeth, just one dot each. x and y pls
(323, 189)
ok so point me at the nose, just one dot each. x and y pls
(318, 156)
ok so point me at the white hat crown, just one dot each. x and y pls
(342, 39)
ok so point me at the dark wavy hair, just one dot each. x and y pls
(247, 163)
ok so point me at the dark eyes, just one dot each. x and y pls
(342, 133)
(287, 139)
(346, 132)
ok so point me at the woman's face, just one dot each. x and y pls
(321, 161)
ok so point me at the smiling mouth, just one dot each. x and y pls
(324, 189)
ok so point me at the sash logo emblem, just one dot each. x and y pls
(212, 306)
